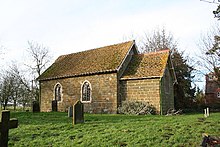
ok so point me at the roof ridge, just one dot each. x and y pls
(157, 52)
(106, 46)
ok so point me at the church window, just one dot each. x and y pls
(58, 92)
(86, 92)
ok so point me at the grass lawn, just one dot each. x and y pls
(55, 129)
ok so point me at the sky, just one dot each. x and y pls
(69, 26)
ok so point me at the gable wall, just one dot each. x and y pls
(144, 90)
(122, 70)
(211, 89)
(167, 92)
(127, 61)
(211, 86)
(103, 93)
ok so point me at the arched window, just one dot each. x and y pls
(58, 92)
(86, 92)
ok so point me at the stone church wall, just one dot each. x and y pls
(167, 92)
(103, 93)
(143, 90)
(212, 90)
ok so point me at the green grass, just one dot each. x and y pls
(55, 129)
(18, 108)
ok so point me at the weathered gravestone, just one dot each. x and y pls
(54, 105)
(78, 114)
(36, 106)
(6, 124)
(70, 111)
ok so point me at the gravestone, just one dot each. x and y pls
(70, 111)
(78, 113)
(54, 105)
(6, 124)
(36, 106)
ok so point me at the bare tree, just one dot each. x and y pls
(158, 40)
(25, 96)
(39, 55)
(7, 89)
(23, 92)
(13, 86)
(217, 11)
(209, 60)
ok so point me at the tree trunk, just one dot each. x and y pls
(4, 106)
(14, 105)
(24, 105)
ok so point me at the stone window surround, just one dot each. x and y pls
(61, 89)
(90, 100)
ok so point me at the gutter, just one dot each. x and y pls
(141, 78)
(172, 68)
(78, 75)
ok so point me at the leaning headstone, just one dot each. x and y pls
(78, 113)
(36, 106)
(54, 105)
(70, 111)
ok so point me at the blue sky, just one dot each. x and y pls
(67, 26)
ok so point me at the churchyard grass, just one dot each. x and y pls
(55, 129)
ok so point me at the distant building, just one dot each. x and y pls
(104, 77)
(212, 90)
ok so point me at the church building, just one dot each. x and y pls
(104, 77)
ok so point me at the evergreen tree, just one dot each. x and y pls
(183, 91)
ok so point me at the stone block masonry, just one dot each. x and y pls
(103, 93)
(143, 90)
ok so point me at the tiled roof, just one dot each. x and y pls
(147, 65)
(100, 60)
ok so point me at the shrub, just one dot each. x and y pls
(136, 108)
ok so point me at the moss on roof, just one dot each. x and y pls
(147, 65)
(104, 59)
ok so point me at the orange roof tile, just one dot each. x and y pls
(104, 59)
(147, 65)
